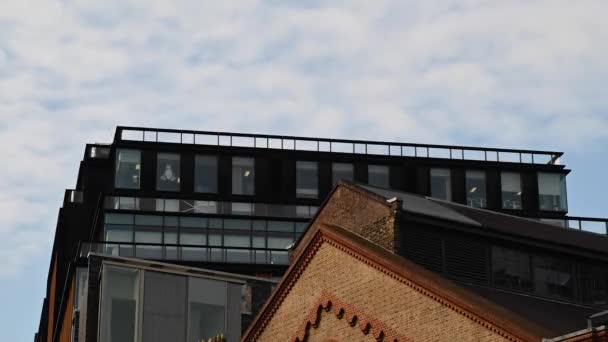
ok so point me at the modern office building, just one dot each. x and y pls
(236, 202)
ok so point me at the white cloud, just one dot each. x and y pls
(511, 73)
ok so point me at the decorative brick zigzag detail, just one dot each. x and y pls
(352, 316)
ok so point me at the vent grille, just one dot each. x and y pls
(466, 259)
(424, 248)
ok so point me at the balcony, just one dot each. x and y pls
(170, 252)
(292, 143)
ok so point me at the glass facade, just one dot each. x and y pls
(378, 175)
(119, 304)
(127, 169)
(511, 268)
(553, 277)
(510, 190)
(341, 171)
(143, 236)
(307, 179)
(205, 174)
(243, 176)
(167, 172)
(209, 207)
(476, 188)
(594, 284)
(170, 308)
(164, 307)
(441, 184)
(552, 191)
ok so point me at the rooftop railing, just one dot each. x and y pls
(281, 142)
(171, 252)
(587, 224)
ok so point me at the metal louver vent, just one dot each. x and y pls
(466, 259)
(423, 247)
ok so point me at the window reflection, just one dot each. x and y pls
(511, 268)
(189, 238)
(476, 188)
(341, 171)
(205, 174)
(552, 191)
(441, 184)
(307, 179)
(119, 304)
(168, 168)
(128, 167)
(243, 176)
(553, 277)
(511, 190)
(378, 175)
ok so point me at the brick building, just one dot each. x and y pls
(355, 276)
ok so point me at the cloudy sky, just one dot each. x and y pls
(520, 74)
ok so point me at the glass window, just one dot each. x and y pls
(206, 309)
(118, 219)
(164, 307)
(167, 169)
(378, 175)
(553, 277)
(511, 268)
(552, 191)
(441, 184)
(205, 207)
(128, 168)
(307, 179)
(205, 174)
(243, 176)
(341, 171)
(148, 240)
(118, 233)
(119, 304)
(476, 188)
(511, 190)
(594, 284)
(280, 240)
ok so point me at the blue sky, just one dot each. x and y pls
(518, 74)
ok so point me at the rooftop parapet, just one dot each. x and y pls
(383, 148)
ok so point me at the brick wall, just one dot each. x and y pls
(375, 220)
(366, 300)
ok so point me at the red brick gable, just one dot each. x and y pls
(492, 318)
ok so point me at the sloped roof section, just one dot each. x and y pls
(495, 221)
(417, 204)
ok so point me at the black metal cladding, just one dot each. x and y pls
(467, 258)
(423, 247)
